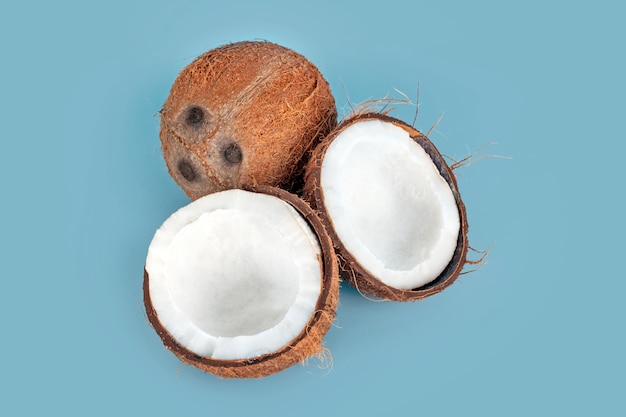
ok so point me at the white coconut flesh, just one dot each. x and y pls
(389, 205)
(234, 275)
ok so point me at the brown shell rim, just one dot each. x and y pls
(307, 343)
(352, 271)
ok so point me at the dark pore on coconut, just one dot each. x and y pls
(186, 170)
(232, 153)
(194, 116)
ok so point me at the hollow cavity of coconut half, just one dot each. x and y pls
(244, 114)
(391, 206)
(242, 283)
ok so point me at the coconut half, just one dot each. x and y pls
(392, 207)
(242, 283)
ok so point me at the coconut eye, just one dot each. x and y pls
(195, 115)
(232, 154)
(187, 171)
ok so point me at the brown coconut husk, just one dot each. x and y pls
(307, 344)
(350, 268)
(269, 104)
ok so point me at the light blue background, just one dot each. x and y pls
(539, 330)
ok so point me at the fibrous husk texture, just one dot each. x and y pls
(307, 344)
(244, 114)
(350, 268)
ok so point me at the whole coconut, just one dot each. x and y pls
(244, 114)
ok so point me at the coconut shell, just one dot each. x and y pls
(351, 270)
(244, 114)
(308, 343)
